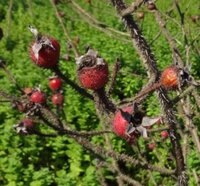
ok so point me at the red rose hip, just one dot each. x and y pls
(151, 146)
(38, 97)
(44, 51)
(92, 71)
(164, 134)
(55, 83)
(120, 123)
(57, 99)
(45, 55)
(169, 78)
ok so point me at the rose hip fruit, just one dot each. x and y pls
(151, 146)
(169, 78)
(120, 124)
(55, 83)
(38, 97)
(94, 77)
(44, 51)
(92, 71)
(45, 55)
(164, 134)
(57, 99)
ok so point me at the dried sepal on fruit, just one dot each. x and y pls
(92, 70)
(45, 50)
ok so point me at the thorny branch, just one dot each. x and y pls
(106, 107)
(149, 60)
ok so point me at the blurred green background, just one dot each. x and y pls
(35, 161)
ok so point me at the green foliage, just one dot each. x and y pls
(36, 161)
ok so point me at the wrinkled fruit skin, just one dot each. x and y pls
(48, 57)
(169, 78)
(120, 125)
(94, 77)
(55, 83)
(57, 99)
(38, 97)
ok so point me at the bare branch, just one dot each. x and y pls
(75, 50)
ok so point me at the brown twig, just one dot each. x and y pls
(75, 50)
(189, 123)
(98, 25)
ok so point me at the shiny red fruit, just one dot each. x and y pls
(46, 56)
(164, 134)
(169, 78)
(94, 77)
(38, 97)
(57, 99)
(55, 83)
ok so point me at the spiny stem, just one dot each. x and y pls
(149, 61)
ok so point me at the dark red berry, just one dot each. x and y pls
(55, 83)
(57, 99)
(164, 134)
(45, 52)
(38, 97)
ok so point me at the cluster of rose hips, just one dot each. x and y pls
(34, 98)
(93, 74)
(55, 84)
(124, 124)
